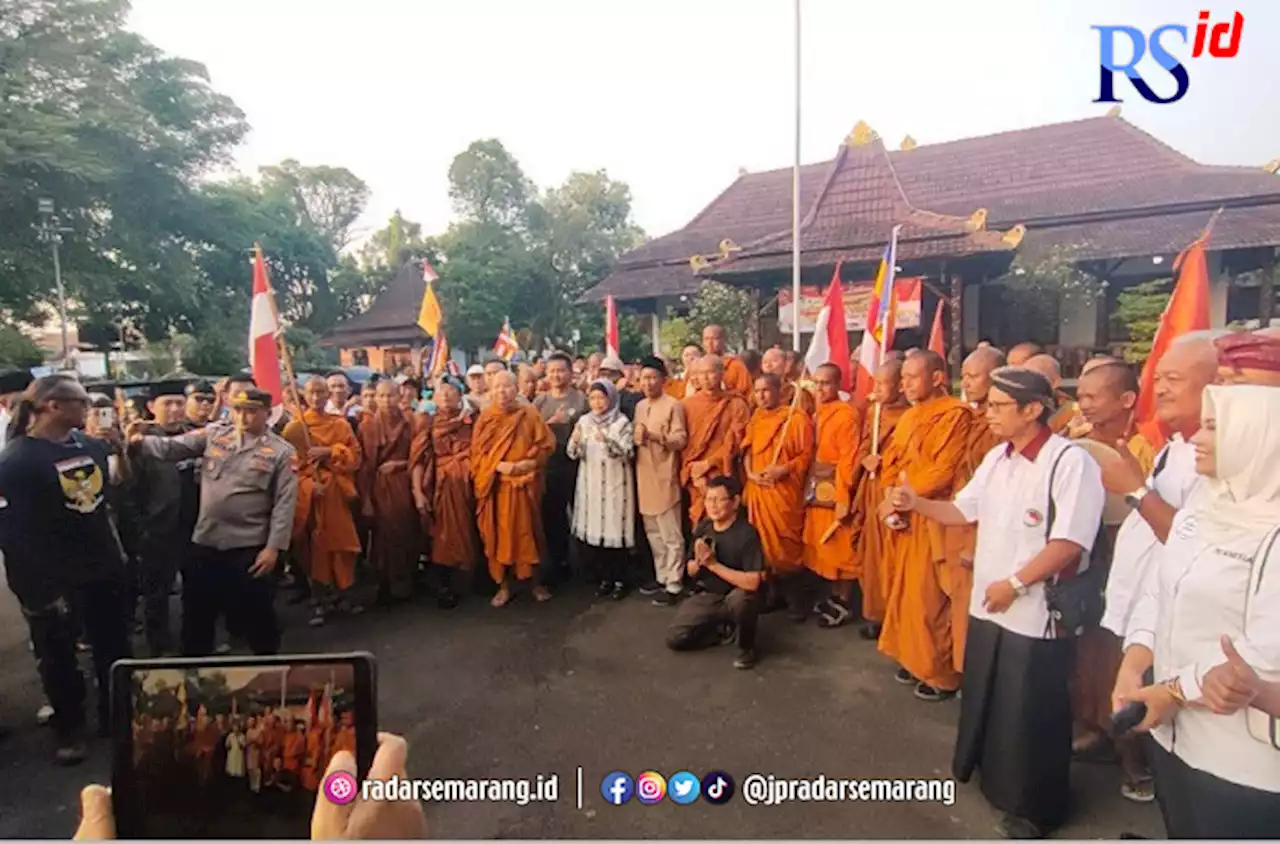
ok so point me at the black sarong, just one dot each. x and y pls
(1197, 804)
(1015, 722)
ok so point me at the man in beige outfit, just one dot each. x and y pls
(660, 434)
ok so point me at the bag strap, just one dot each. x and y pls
(1257, 570)
(1051, 512)
(1161, 461)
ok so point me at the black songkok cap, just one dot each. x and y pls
(653, 362)
(1024, 386)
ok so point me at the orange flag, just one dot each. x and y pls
(937, 342)
(1187, 311)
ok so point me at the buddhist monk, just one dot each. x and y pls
(774, 362)
(344, 737)
(1251, 357)
(293, 755)
(689, 357)
(716, 420)
(828, 528)
(442, 487)
(1023, 352)
(777, 449)
(960, 542)
(509, 447)
(869, 542)
(386, 495)
(1048, 366)
(324, 530)
(315, 759)
(737, 379)
(272, 741)
(926, 452)
(527, 382)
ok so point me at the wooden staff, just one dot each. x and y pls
(795, 400)
(286, 361)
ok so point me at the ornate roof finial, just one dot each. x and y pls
(698, 263)
(728, 247)
(1272, 167)
(908, 143)
(977, 220)
(1014, 236)
(861, 135)
(1114, 111)
(742, 171)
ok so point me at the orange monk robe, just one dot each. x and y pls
(929, 445)
(960, 542)
(737, 378)
(442, 445)
(508, 512)
(716, 426)
(314, 766)
(1067, 411)
(777, 511)
(833, 470)
(869, 545)
(344, 739)
(294, 750)
(675, 388)
(325, 529)
(386, 440)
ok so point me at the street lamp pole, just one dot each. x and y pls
(795, 201)
(51, 233)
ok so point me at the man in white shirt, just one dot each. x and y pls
(12, 384)
(1037, 500)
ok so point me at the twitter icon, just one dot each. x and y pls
(683, 788)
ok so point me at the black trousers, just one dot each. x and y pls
(100, 608)
(159, 561)
(556, 501)
(607, 565)
(699, 616)
(1197, 804)
(219, 584)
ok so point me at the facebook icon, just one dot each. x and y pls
(617, 788)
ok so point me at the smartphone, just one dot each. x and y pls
(106, 417)
(234, 747)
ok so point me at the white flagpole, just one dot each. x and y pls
(795, 205)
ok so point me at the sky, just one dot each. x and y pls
(673, 97)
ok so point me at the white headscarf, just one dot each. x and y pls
(1243, 496)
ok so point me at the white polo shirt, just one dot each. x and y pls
(1174, 479)
(1195, 595)
(1009, 497)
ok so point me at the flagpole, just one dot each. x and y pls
(795, 204)
(891, 301)
(286, 361)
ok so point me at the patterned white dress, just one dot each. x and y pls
(604, 510)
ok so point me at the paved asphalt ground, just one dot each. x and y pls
(547, 688)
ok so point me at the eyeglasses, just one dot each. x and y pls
(202, 399)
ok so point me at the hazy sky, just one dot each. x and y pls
(673, 96)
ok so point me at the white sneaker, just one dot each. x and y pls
(44, 714)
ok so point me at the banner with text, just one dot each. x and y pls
(857, 296)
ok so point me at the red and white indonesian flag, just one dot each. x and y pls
(610, 327)
(830, 342)
(264, 355)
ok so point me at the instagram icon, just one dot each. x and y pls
(651, 787)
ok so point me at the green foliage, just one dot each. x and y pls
(676, 333)
(1035, 286)
(723, 305)
(1137, 315)
(307, 353)
(17, 350)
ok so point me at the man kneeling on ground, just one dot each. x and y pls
(727, 568)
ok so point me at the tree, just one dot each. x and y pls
(17, 350)
(1035, 286)
(723, 305)
(1137, 316)
(487, 185)
(328, 199)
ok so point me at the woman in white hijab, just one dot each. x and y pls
(1207, 628)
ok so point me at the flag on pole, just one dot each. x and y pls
(881, 317)
(506, 345)
(312, 708)
(937, 339)
(1187, 311)
(610, 327)
(264, 325)
(435, 362)
(429, 315)
(830, 343)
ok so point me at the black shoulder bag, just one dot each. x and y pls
(1076, 604)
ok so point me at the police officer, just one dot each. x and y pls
(248, 490)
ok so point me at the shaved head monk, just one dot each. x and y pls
(1023, 352)
(385, 484)
(527, 382)
(509, 447)
(689, 357)
(1249, 358)
(777, 449)
(716, 420)
(876, 577)
(774, 362)
(1048, 366)
(737, 378)
(926, 452)
(828, 526)
(442, 487)
(324, 531)
(960, 541)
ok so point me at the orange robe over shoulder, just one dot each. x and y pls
(386, 440)
(508, 507)
(295, 749)
(717, 424)
(314, 766)
(442, 445)
(928, 444)
(674, 387)
(737, 378)
(325, 528)
(836, 443)
(777, 511)
(876, 574)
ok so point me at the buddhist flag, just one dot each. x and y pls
(878, 335)
(429, 315)
(1187, 311)
(506, 345)
(264, 325)
(937, 339)
(610, 327)
(830, 343)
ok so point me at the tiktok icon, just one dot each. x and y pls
(717, 788)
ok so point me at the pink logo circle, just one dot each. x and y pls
(340, 787)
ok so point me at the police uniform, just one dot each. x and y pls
(248, 491)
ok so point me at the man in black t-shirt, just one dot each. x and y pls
(727, 568)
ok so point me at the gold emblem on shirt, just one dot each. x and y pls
(81, 481)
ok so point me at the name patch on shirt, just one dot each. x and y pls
(1235, 555)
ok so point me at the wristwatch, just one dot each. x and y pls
(1134, 499)
(1018, 586)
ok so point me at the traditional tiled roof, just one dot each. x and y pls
(392, 319)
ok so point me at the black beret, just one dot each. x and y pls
(168, 388)
(200, 388)
(15, 381)
(244, 376)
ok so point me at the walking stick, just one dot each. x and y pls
(795, 400)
